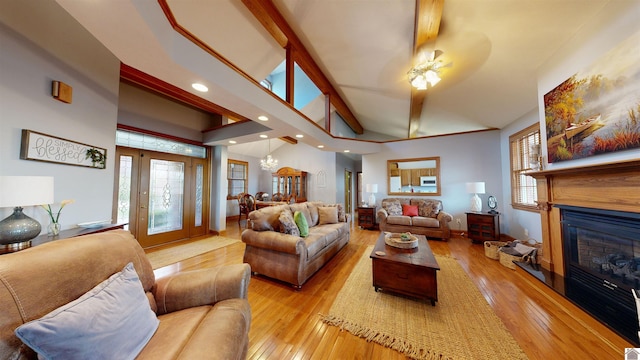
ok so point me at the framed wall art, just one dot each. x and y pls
(597, 110)
(42, 147)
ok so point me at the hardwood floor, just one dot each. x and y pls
(286, 324)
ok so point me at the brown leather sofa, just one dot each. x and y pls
(292, 258)
(203, 314)
(431, 220)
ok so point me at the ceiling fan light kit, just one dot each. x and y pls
(424, 75)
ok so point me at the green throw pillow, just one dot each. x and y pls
(301, 221)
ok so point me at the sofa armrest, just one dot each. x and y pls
(274, 240)
(381, 215)
(444, 218)
(201, 287)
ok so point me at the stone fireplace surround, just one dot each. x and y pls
(605, 188)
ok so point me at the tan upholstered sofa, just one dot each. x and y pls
(290, 257)
(431, 220)
(201, 314)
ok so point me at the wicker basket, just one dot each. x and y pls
(491, 248)
(507, 260)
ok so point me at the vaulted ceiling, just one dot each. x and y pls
(363, 48)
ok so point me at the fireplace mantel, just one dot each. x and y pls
(609, 186)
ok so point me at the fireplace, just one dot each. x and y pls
(602, 264)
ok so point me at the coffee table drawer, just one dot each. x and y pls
(405, 279)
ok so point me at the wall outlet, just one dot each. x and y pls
(526, 233)
(458, 222)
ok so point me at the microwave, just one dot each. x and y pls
(428, 181)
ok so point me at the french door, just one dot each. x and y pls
(162, 196)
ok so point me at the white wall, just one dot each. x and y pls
(57, 49)
(463, 158)
(307, 158)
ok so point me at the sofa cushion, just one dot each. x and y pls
(301, 222)
(112, 320)
(398, 220)
(392, 206)
(425, 221)
(341, 214)
(266, 219)
(288, 224)
(327, 215)
(313, 211)
(409, 210)
(427, 207)
(303, 208)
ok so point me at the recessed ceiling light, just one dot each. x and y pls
(263, 136)
(320, 146)
(299, 136)
(200, 87)
(232, 142)
(263, 118)
(347, 151)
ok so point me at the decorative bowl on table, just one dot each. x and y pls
(401, 240)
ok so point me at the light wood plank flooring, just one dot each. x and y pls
(286, 324)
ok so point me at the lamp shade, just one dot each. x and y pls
(475, 187)
(371, 188)
(25, 190)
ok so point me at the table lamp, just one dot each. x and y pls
(372, 189)
(476, 188)
(17, 230)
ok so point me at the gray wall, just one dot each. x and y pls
(27, 67)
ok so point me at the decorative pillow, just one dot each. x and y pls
(327, 215)
(111, 321)
(341, 214)
(301, 222)
(392, 207)
(409, 210)
(303, 208)
(428, 208)
(287, 224)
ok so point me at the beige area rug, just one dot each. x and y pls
(462, 325)
(188, 250)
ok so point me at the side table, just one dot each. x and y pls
(483, 226)
(367, 217)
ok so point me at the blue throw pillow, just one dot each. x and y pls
(301, 221)
(111, 321)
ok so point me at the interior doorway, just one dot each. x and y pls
(163, 197)
(348, 191)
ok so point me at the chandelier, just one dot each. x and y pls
(269, 163)
(425, 74)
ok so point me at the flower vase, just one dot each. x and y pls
(54, 229)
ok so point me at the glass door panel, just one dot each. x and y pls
(166, 196)
(199, 195)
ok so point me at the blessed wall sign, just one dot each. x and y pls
(42, 147)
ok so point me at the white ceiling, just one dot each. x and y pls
(364, 47)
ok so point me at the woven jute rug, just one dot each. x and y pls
(462, 325)
(168, 256)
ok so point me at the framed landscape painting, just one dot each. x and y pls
(597, 110)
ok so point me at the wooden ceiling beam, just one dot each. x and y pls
(427, 26)
(145, 80)
(269, 16)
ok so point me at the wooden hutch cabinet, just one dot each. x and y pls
(290, 181)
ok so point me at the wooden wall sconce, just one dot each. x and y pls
(61, 91)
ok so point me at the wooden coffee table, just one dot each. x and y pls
(411, 272)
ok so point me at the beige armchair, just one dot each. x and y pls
(200, 314)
